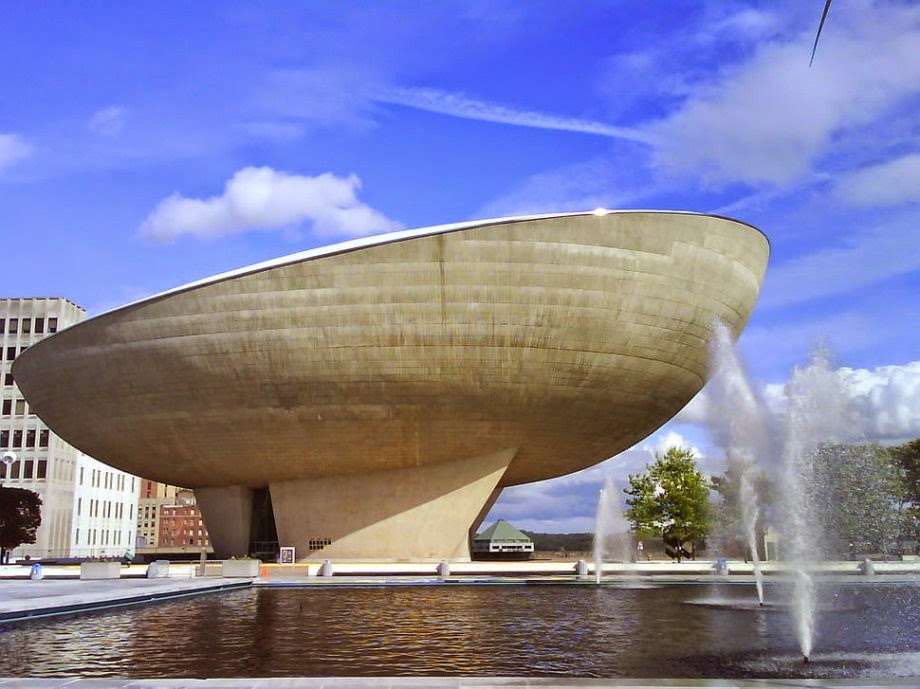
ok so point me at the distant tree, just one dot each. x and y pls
(670, 499)
(856, 491)
(907, 461)
(20, 517)
(727, 517)
(572, 542)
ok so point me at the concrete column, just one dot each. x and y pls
(227, 512)
(422, 513)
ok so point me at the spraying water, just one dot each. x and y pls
(611, 530)
(818, 413)
(750, 513)
(738, 417)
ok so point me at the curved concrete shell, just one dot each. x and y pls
(386, 389)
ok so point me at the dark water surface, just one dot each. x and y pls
(579, 631)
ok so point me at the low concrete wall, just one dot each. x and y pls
(241, 568)
(100, 570)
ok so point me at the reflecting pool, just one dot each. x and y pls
(865, 629)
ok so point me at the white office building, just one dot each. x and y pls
(87, 507)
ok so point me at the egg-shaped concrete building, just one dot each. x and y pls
(383, 391)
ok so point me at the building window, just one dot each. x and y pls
(17, 439)
(39, 325)
(81, 476)
(2, 326)
(8, 378)
(79, 506)
(52, 325)
(26, 326)
(42, 469)
(20, 407)
(30, 438)
(43, 438)
(14, 326)
(28, 466)
(76, 537)
(10, 353)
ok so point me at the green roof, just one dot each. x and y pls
(501, 531)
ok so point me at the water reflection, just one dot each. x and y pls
(669, 631)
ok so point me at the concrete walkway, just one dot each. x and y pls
(25, 599)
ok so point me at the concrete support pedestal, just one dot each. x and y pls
(423, 513)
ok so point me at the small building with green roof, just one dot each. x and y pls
(502, 539)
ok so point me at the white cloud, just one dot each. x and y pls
(880, 252)
(580, 186)
(747, 24)
(108, 121)
(889, 183)
(460, 105)
(888, 399)
(696, 411)
(659, 444)
(265, 199)
(770, 118)
(582, 524)
(885, 400)
(13, 148)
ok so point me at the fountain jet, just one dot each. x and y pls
(611, 531)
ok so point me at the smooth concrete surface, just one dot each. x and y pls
(227, 512)
(567, 338)
(29, 599)
(457, 683)
(430, 509)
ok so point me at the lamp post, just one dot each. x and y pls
(8, 458)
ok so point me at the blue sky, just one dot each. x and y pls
(144, 145)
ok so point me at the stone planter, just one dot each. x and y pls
(242, 568)
(100, 570)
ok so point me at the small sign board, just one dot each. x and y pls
(286, 556)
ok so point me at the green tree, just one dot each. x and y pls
(20, 517)
(727, 518)
(670, 499)
(856, 491)
(907, 461)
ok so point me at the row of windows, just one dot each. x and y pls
(11, 352)
(26, 469)
(27, 325)
(108, 480)
(182, 532)
(103, 537)
(24, 439)
(14, 407)
(108, 508)
(182, 541)
(318, 543)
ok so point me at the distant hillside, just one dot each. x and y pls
(575, 542)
